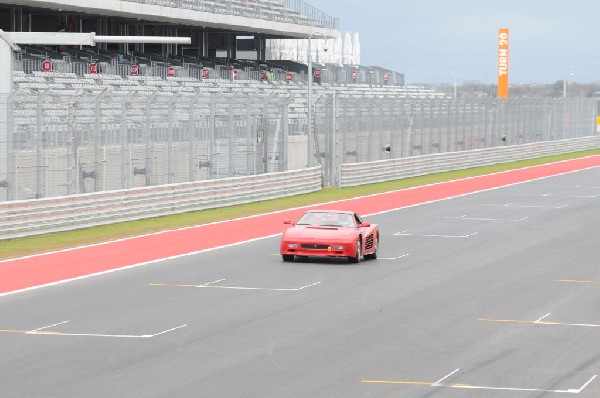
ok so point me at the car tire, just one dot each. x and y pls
(288, 258)
(358, 254)
(373, 256)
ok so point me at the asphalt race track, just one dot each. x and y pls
(492, 294)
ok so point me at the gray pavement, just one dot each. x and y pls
(494, 294)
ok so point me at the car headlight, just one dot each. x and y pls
(337, 247)
(292, 245)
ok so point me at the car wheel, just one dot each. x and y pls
(373, 256)
(358, 254)
(288, 258)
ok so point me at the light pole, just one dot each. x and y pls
(455, 76)
(570, 73)
(310, 140)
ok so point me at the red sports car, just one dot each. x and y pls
(325, 233)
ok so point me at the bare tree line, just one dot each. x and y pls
(532, 90)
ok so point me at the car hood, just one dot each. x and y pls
(312, 233)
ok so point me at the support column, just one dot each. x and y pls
(6, 75)
(232, 46)
(204, 44)
(261, 48)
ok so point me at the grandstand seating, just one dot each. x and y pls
(96, 83)
(155, 74)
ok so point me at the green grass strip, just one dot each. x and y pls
(12, 248)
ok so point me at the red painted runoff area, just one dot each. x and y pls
(54, 267)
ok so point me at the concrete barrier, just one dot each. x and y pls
(33, 217)
(353, 174)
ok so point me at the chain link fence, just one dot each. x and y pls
(62, 144)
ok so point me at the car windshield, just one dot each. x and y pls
(327, 219)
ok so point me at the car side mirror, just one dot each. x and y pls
(287, 222)
(365, 224)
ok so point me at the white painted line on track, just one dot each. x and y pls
(587, 384)
(540, 322)
(544, 317)
(47, 327)
(404, 233)
(467, 387)
(550, 195)
(297, 289)
(585, 325)
(464, 217)
(41, 332)
(393, 258)
(169, 330)
(579, 187)
(217, 281)
(439, 382)
(116, 336)
(512, 205)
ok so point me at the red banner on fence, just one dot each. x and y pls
(47, 66)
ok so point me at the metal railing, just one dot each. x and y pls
(330, 74)
(306, 10)
(293, 11)
(353, 174)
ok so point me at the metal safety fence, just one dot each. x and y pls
(355, 129)
(61, 144)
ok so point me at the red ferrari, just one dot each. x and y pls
(323, 233)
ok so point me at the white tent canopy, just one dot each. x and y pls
(356, 50)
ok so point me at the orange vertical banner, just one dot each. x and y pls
(503, 63)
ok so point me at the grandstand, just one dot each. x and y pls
(88, 118)
(218, 30)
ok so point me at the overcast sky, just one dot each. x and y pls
(428, 39)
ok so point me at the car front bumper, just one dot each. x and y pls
(311, 249)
